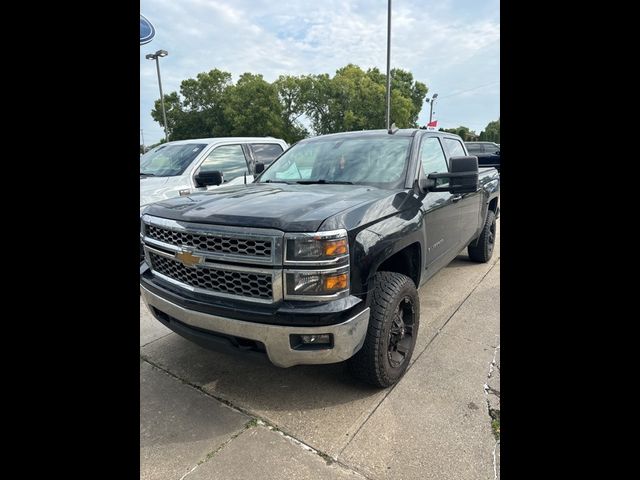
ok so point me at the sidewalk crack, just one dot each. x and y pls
(494, 413)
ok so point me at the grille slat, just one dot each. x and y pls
(244, 284)
(211, 242)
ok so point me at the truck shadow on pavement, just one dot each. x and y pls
(253, 383)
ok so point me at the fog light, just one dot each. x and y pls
(324, 338)
(322, 341)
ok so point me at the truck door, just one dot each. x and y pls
(468, 203)
(230, 160)
(440, 213)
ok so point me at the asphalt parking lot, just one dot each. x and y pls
(208, 415)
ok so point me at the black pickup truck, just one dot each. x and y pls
(319, 260)
(488, 153)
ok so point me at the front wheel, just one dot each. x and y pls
(392, 332)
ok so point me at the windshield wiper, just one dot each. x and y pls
(147, 174)
(324, 182)
(274, 181)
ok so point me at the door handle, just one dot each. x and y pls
(456, 198)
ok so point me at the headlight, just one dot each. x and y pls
(317, 284)
(320, 248)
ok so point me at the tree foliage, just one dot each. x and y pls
(464, 132)
(252, 108)
(491, 132)
(353, 99)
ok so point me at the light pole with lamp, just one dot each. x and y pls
(430, 101)
(155, 56)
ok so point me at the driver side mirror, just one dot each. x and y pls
(462, 177)
(259, 167)
(208, 178)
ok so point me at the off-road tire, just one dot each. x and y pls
(482, 249)
(394, 298)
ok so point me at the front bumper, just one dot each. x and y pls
(348, 335)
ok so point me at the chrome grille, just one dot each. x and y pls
(243, 284)
(211, 242)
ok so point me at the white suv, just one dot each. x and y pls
(188, 166)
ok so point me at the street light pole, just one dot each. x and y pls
(389, 66)
(156, 56)
(435, 95)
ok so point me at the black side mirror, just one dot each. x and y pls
(207, 178)
(462, 177)
(259, 167)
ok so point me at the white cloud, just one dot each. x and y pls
(450, 45)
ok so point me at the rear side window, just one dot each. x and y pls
(454, 147)
(266, 152)
(432, 156)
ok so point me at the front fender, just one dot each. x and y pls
(378, 242)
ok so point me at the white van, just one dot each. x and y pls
(187, 166)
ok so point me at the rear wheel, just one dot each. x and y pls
(392, 332)
(483, 250)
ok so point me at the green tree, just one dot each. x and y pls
(464, 132)
(402, 81)
(211, 105)
(252, 108)
(356, 100)
(316, 96)
(173, 108)
(491, 132)
(292, 92)
(199, 109)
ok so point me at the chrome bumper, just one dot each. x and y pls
(348, 336)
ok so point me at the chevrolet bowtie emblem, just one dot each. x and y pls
(189, 259)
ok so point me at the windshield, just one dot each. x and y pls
(169, 160)
(380, 161)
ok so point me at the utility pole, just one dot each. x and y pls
(389, 67)
(142, 133)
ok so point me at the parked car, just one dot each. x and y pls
(185, 166)
(488, 153)
(319, 260)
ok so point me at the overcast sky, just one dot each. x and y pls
(453, 46)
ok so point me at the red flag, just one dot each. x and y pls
(433, 124)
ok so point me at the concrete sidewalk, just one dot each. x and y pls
(208, 415)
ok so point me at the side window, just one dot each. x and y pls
(490, 148)
(454, 147)
(229, 159)
(475, 148)
(266, 152)
(432, 156)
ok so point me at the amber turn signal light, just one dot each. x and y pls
(337, 282)
(334, 248)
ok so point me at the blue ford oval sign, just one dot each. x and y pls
(147, 31)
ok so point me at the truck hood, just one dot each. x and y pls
(292, 208)
(153, 189)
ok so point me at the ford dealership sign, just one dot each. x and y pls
(147, 31)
